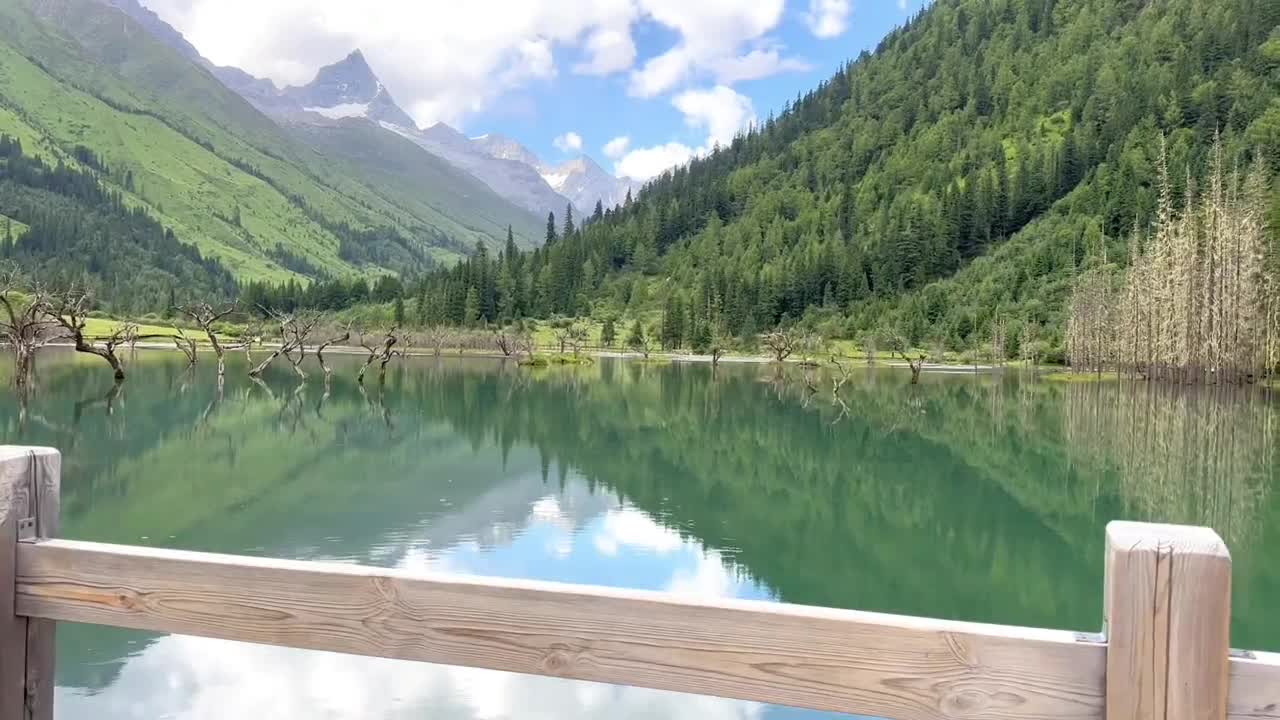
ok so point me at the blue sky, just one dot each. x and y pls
(600, 109)
(662, 79)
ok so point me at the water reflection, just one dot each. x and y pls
(967, 497)
(1199, 455)
(574, 535)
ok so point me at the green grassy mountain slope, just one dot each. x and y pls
(984, 155)
(202, 161)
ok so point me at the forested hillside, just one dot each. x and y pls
(73, 228)
(970, 168)
(203, 163)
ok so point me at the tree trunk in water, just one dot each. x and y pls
(22, 367)
(255, 372)
(108, 355)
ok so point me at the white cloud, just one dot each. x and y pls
(711, 32)
(709, 578)
(830, 18)
(443, 60)
(644, 163)
(721, 111)
(609, 50)
(616, 147)
(758, 63)
(188, 678)
(568, 142)
(633, 528)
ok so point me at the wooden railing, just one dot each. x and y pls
(1164, 654)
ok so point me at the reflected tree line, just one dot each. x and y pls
(995, 489)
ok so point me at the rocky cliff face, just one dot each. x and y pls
(581, 181)
(516, 180)
(348, 88)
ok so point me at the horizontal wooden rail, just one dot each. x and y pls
(855, 662)
(1255, 687)
(1166, 602)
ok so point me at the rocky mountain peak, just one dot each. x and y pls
(505, 148)
(349, 88)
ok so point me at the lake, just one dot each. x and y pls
(971, 497)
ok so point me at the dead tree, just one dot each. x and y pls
(25, 326)
(578, 335)
(809, 346)
(870, 341)
(838, 381)
(562, 336)
(916, 364)
(293, 331)
(400, 347)
(205, 316)
(70, 309)
(437, 336)
(717, 351)
(344, 337)
(187, 345)
(381, 353)
(526, 344)
(781, 343)
(505, 341)
(251, 336)
(298, 332)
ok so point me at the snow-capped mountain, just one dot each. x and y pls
(348, 88)
(582, 181)
(517, 181)
(586, 183)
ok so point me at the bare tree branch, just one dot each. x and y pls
(70, 308)
(204, 315)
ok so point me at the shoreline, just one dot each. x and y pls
(689, 358)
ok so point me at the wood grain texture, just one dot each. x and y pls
(29, 487)
(1255, 688)
(1136, 593)
(1167, 608)
(890, 666)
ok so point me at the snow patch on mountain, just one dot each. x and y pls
(554, 179)
(345, 110)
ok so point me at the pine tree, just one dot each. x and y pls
(424, 319)
(636, 337)
(598, 215)
(568, 221)
(398, 310)
(644, 257)
(608, 333)
(471, 308)
(551, 230)
(672, 329)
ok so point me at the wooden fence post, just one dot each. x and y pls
(1168, 615)
(29, 493)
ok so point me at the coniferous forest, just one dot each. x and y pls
(79, 233)
(967, 172)
(951, 188)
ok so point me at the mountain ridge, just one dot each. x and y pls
(349, 88)
(199, 156)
